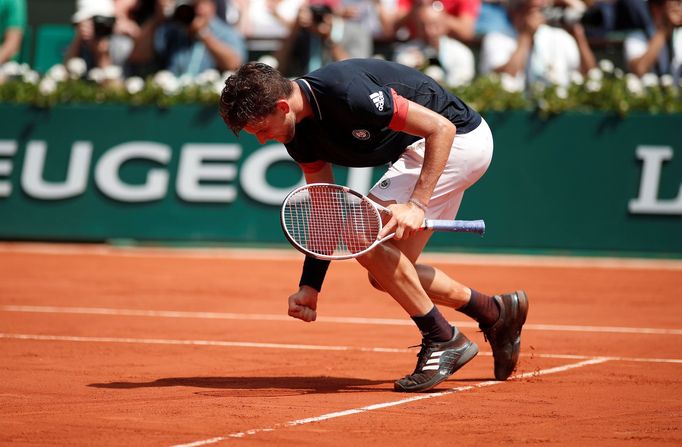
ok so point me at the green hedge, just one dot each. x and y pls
(604, 89)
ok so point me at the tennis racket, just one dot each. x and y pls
(333, 222)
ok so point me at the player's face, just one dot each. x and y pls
(278, 126)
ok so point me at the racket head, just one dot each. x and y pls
(329, 221)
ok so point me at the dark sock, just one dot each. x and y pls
(481, 308)
(434, 326)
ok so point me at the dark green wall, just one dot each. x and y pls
(563, 184)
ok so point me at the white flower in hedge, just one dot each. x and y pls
(435, 72)
(97, 75)
(634, 84)
(47, 86)
(162, 76)
(618, 73)
(412, 57)
(650, 80)
(134, 85)
(227, 74)
(31, 77)
(208, 77)
(593, 85)
(113, 73)
(10, 69)
(218, 86)
(186, 80)
(562, 92)
(510, 83)
(76, 67)
(270, 60)
(667, 80)
(577, 78)
(595, 74)
(57, 73)
(606, 66)
(167, 81)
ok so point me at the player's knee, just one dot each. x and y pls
(374, 282)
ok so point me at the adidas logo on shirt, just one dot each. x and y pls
(378, 98)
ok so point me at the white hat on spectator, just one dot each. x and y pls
(86, 9)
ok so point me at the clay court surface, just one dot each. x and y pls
(112, 346)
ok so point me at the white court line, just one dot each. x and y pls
(239, 344)
(327, 319)
(285, 254)
(338, 414)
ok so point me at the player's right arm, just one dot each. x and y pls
(303, 303)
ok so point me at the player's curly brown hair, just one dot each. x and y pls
(251, 94)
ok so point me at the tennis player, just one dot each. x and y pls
(370, 112)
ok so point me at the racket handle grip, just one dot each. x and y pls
(461, 226)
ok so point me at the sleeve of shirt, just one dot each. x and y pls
(370, 105)
(16, 16)
(467, 8)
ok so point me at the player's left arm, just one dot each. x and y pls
(317, 172)
(303, 302)
(438, 133)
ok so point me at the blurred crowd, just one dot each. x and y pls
(527, 41)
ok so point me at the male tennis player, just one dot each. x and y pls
(371, 112)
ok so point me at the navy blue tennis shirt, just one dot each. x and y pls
(359, 109)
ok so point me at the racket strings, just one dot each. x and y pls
(330, 221)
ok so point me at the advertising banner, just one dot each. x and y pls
(585, 182)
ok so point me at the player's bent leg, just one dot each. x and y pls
(374, 283)
(437, 361)
(504, 335)
(398, 277)
(442, 289)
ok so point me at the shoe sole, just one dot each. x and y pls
(469, 353)
(516, 348)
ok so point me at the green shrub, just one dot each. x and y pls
(604, 89)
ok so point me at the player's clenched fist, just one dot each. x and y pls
(303, 304)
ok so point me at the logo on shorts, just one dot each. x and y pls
(385, 183)
(378, 99)
(361, 134)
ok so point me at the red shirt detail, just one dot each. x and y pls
(400, 106)
(453, 7)
(315, 166)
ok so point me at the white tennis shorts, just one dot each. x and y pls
(469, 158)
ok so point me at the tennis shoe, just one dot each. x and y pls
(437, 361)
(505, 335)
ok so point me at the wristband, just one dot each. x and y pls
(418, 204)
(314, 271)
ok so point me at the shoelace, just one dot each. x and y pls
(421, 355)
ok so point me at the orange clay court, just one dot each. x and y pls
(107, 346)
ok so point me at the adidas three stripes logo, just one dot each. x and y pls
(433, 361)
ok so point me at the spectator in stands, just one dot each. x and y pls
(438, 32)
(187, 37)
(606, 16)
(12, 26)
(314, 38)
(657, 50)
(494, 17)
(94, 39)
(332, 30)
(539, 52)
(266, 19)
